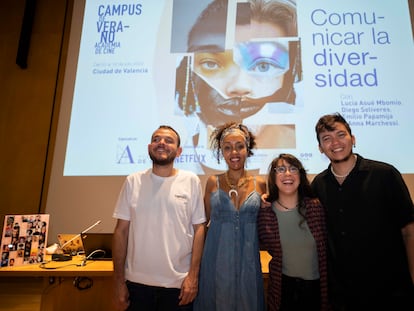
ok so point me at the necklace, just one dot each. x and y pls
(285, 207)
(346, 175)
(233, 188)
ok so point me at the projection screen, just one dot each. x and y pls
(134, 65)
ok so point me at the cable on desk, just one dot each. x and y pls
(43, 265)
(91, 256)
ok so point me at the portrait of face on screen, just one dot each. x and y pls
(222, 84)
(239, 58)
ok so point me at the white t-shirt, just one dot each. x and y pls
(161, 211)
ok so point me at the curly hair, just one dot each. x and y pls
(220, 132)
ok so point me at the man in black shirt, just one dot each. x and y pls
(370, 222)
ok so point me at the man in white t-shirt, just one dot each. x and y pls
(159, 235)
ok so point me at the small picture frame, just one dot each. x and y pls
(24, 239)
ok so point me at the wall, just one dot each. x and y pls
(27, 102)
(30, 105)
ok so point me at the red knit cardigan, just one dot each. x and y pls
(269, 238)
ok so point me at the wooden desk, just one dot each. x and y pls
(62, 268)
(59, 286)
(31, 288)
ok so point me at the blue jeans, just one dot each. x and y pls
(152, 298)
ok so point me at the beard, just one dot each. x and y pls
(163, 161)
(346, 158)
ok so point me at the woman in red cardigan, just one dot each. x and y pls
(292, 229)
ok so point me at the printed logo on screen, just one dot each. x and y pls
(125, 154)
(110, 25)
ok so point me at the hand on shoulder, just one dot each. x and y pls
(264, 202)
(261, 184)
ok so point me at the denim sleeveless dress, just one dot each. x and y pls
(230, 275)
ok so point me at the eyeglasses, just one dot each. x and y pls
(283, 169)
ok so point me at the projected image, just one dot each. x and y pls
(217, 84)
(274, 65)
(230, 85)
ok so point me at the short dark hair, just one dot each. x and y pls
(167, 127)
(327, 123)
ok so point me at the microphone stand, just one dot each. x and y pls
(80, 234)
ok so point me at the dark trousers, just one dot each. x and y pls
(378, 302)
(299, 294)
(152, 298)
